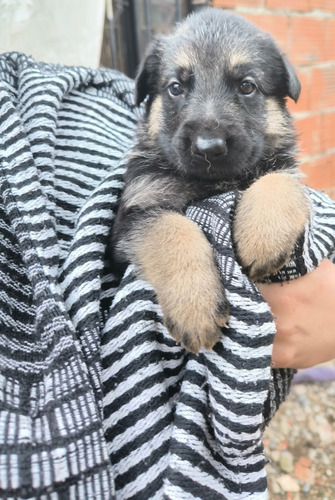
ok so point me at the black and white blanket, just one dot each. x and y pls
(96, 400)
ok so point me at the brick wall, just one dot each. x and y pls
(305, 30)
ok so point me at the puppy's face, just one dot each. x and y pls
(215, 92)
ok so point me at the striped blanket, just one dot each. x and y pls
(96, 400)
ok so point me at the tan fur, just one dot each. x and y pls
(270, 217)
(147, 191)
(155, 118)
(237, 59)
(275, 119)
(175, 257)
(184, 58)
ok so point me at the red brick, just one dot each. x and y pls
(228, 4)
(322, 88)
(330, 39)
(309, 131)
(275, 24)
(320, 172)
(325, 5)
(299, 5)
(307, 40)
(327, 131)
(251, 3)
(238, 3)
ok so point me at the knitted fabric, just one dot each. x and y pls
(96, 400)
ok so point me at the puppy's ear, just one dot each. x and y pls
(147, 78)
(293, 83)
(279, 76)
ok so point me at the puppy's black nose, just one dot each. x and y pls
(211, 147)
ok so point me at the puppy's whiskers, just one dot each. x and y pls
(218, 124)
(208, 162)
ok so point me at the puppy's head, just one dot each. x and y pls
(215, 94)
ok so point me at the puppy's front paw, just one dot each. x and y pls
(175, 257)
(270, 217)
(196, 320)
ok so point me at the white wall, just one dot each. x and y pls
(58, 31)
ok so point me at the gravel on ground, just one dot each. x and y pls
(300, 444)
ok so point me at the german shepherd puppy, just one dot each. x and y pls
(215, 119)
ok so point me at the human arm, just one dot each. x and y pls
(304, 312)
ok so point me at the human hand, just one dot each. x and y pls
(304, 313)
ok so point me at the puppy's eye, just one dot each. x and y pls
(247, 87)
(176, 89)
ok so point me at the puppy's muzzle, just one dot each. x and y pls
(211, 148)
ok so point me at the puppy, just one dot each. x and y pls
(215, 119)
